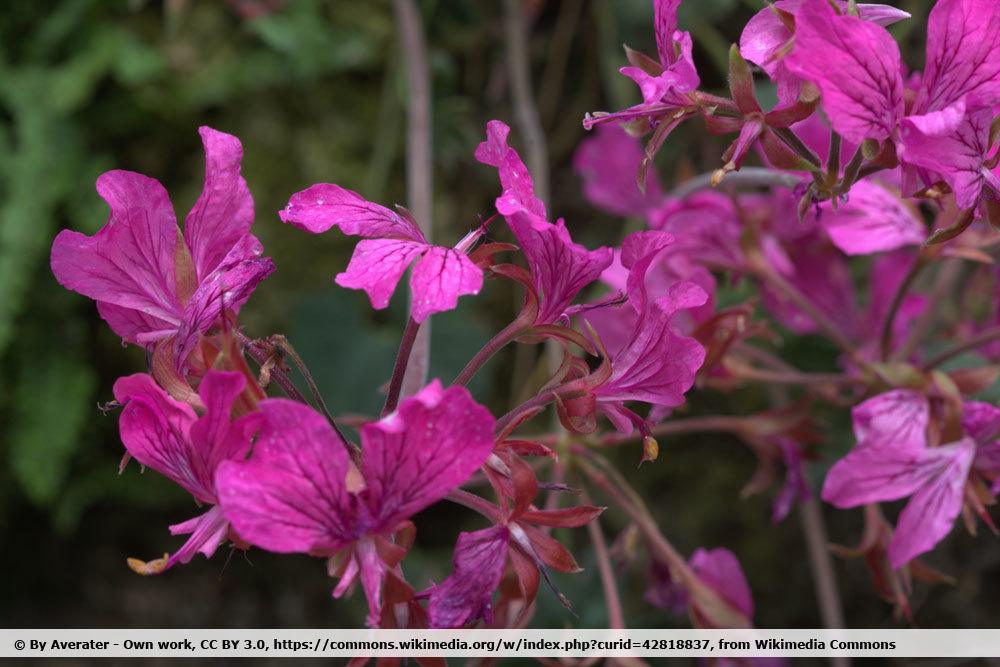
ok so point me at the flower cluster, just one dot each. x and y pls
(859, 157)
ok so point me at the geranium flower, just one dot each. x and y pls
(717, 571)
(150, 282)
(769, 35)
(665, 84)
(171, 438)
(519, 536)
(894, 459)
(559, 267)
(301, 492)
(392, 242)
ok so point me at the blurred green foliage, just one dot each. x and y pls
(316, 91)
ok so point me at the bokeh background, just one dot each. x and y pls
(316, 90)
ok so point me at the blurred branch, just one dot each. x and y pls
(550, 90)
(419, 164)
(517, 52)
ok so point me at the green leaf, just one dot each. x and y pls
(51, 405)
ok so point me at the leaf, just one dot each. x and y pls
(51, 405)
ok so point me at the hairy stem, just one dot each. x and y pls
(262, 356)
(399, 369)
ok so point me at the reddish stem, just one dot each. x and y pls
(399, 369)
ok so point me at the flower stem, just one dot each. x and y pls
(261, 356)
(747, 177)
(538, 401)
(399, 370)
(494, 345)
(790, 139)
(885, 341)
(616, 618)
(803, 303)
(984, 338)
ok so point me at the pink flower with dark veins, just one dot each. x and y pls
(392, 242)
(559, 267)
(768, 37)
(893, 459)
(656, 365)
(301, 492)
(665, 85)
(856, 65)
(171, 438)
(150, 282)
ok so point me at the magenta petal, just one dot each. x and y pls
(963, 55)
(324, 205)
(639, 249)
(415, 456)
(981, 421)
(207, 531)
(932, 511)
(377, 265)
(607, 163)
(897, 418)
(478, 565)
(952, 142)
(224, 211)
(518, 186)
(439, 278)
(935, 476)
(559, 267)
(658, 365)
(155, 430)
(873, 219)
(720, 570)
(665, 24)
(863, 92)
(130, 262)
(215, 437)
(291, 495)
(167, 436)
(228, 287)
(135, 326)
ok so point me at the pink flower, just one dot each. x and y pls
(717, 570)
(893, 460)
(656, 365)
(519, 534)
(955, 143)
(665, 85)
(856, 65)
(151, 283)
(301, 492)
(767, 38)
(559, 267)
(607, 162)
(872, 219)
(392, 242)
(169, 437)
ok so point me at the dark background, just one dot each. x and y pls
(316, 91)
